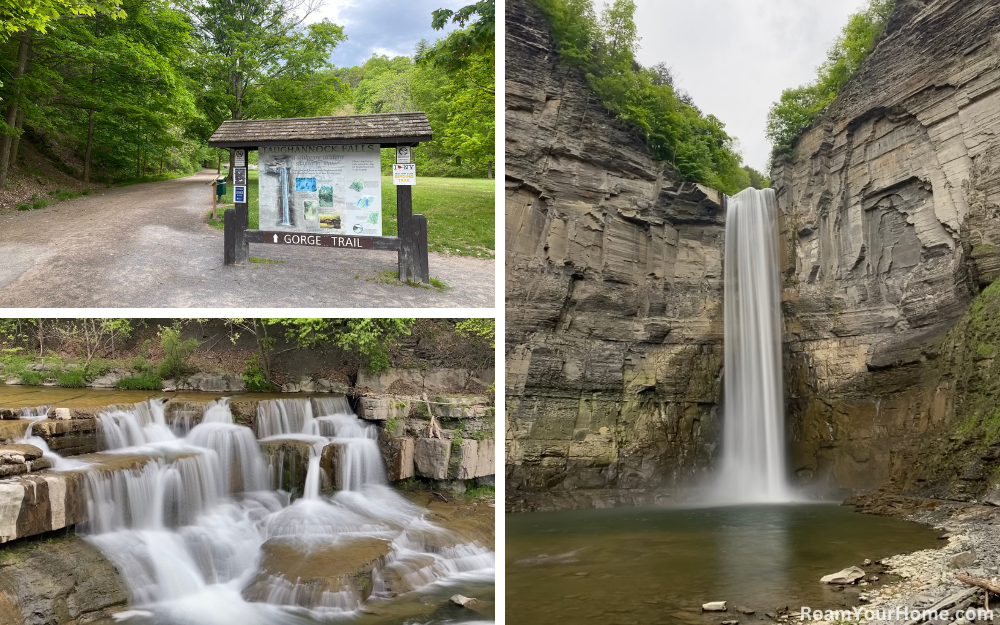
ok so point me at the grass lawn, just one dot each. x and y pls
(459, 212)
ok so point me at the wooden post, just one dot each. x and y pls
(404, 227)
(215, 201)
(229, 237)
(242, 249)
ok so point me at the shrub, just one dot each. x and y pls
(175, 354)
(72, 378)
(255, 378)
(31, 378)
(141, 382)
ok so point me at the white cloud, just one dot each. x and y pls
(736, 56)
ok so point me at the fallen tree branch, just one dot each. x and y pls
(981, 582)
(944, 604)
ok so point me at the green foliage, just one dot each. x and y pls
(17, 16)
(484, 329)
(472, 491)
(72, 378)
(31, 378)
(798, 107)
(255, 377)
(986, 350)
(459, 104)
(141, 382)
(968, 425)
(369, 338)
(676, 131)
(176, 353)
(757, 179)
(257, 59)
(464, 46)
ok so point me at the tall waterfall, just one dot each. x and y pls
(753, 443)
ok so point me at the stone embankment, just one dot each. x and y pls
(442, 441)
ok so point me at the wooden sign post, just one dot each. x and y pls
(400, 130)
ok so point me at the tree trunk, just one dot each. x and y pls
(22, 63)
(138, 151)
(16, 141)
(489, 170)
(90, 145)
(232, 165)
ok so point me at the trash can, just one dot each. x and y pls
(220, 187)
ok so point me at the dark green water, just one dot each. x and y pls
(658, 565)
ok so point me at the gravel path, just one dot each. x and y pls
(147, 246)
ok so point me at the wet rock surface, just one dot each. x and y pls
(63, 580)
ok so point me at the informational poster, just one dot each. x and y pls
(327, 189)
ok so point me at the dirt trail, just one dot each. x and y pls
(147, 246)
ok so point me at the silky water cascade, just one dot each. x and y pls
(753, 465)
(195, 518)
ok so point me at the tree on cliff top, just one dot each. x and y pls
(790, 116)
(696, 144)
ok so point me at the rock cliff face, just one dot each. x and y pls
(890, 222)
(614, 293)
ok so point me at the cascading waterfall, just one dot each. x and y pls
(58, 462)
(753, 444)
(186, 519)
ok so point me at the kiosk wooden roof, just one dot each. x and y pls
(387, 129)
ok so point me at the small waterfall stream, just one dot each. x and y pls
(753, 466)
(191, 520)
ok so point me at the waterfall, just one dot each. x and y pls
(58, 462)
(284, 416)
(359, 459)
(753, 444)
(186, 518)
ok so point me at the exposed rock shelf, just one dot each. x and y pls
(613, 291)
(890, 226)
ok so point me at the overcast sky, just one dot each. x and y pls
(736, 56)
(390, 27)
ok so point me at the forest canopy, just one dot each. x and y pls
(798, 108)
(121, 90)
(644, 97)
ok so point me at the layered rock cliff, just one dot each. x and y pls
(613, 290)
(890, 220)
(890, 231)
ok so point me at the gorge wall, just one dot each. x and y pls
(613, 291)
(890, 218)
(889, 232)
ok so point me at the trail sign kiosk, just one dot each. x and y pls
(320, 184)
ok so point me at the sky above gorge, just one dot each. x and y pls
(736, 56)
(390, 27)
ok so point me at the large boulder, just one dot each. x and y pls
(299, 573)
(218, 383)
(61, 580)
(68, 437)
(18, 459)
(431, 457)
(472, 459)
(844, 577)
(398, 455)
(289, 462)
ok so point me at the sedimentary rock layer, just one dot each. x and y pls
(890, 225)
(613, 290)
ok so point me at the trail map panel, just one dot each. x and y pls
(326, 189)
